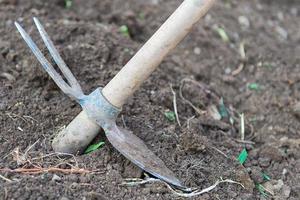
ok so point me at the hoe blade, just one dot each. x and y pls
(134, 149)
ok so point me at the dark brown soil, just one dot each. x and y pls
(87, 35)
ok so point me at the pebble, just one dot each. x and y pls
(56, 178)
(280, 16)
(294, 11)
(227, 70)
(284, 171)
(282, 190)
(278, 185)
(282, 32)
(244, 21)
(197, 50)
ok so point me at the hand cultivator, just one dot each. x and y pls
(101, 107)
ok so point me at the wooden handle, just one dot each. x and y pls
(146, 60)
(80, 132)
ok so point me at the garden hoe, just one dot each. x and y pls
(101, 107)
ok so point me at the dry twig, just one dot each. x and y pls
(242, 116)
(4, 178)
(175, 105)
(221, 152)
(189, 192)
(38, 170)
(200, 112)
(243, 59)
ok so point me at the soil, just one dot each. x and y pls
(203, 68)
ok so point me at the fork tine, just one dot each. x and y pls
(57, 58)
(45, 63)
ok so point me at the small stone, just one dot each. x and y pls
(9, 22)
(294, 11)
(56, 178)
(244, 21)
(18, 68)
(280, 16)
(277, 185)
(259, 6)
(227, 70)
(284, 171)
(64, 198)
(197, 50)
(282, 32)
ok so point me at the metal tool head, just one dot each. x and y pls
(134, 149)
(101, 111)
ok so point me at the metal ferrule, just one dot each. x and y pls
(99, 109)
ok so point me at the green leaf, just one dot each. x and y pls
(243, 156)
(170, 115)
(94, 147)
(254, 86)
(266, 177)
(68, 3)
(222, 33)
(124, 30)
(222, 109)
